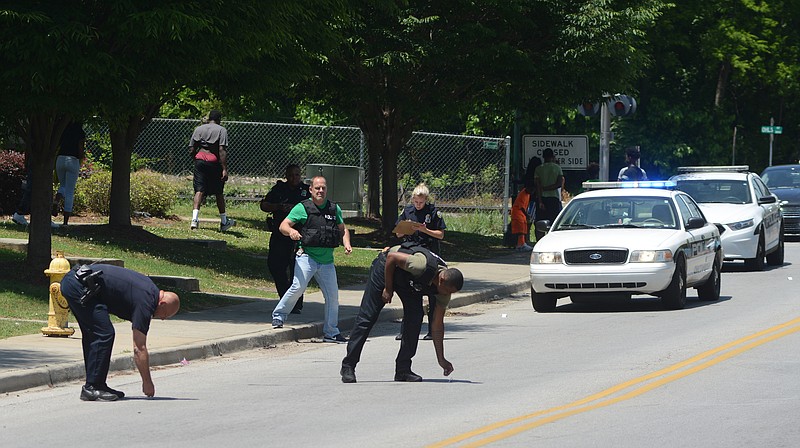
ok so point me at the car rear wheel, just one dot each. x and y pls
(543, 302)
(776, 257)
(757, 263)
(710, 289)
(674, 297)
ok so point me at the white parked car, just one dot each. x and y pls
(621, 239)
(747, 214)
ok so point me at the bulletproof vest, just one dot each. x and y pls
(432, 263)
(288, 195)
(320, 228)
(426, 240)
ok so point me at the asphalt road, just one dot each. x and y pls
(716, 374)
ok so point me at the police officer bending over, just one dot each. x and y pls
(412, 271)
(93, 292)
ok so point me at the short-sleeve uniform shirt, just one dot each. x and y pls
(415, 266)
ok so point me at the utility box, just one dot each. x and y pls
(345, 185)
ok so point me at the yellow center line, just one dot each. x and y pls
(577, 407)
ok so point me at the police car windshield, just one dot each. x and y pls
(716, 191)
(626, 212)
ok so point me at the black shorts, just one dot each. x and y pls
(208, 177)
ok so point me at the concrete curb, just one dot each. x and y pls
(73, 371)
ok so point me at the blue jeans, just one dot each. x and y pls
(67, 169)
(305, 267)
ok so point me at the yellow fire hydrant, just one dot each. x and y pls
(59, 308)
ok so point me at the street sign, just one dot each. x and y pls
(772, 129)
(571, 151)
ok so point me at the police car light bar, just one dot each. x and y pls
(663, 184)
(714, 169)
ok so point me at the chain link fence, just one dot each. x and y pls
(461, 171)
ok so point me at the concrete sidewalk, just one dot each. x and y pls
(36, 360)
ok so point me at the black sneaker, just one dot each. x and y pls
(118, 393)
(277, 323)
(90, 393)
(399, 337)
(348, 374)
(409, 377)
(427, 337)
(339, 339)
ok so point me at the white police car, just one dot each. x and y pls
(747, 214)
(625, 238)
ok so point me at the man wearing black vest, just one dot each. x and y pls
(320, 227)
(279, 201)
(412, 271)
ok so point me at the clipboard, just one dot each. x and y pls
(404, 227)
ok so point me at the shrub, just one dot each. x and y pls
(150, 193)
(12, 173)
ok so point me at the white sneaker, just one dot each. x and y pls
(227, 224)
(195, 224)
(19, 219)
(523, 248)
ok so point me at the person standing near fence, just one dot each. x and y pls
(320, 227)
(548, 179)
(279, 201)
(68, 165)
(429, 226)
(209, 150)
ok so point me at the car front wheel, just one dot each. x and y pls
(757, 263)
(674, 297)
(543, 302)
(776, 257)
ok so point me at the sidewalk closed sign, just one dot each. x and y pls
(571, 151)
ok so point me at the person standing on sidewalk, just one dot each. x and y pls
(280, 258)
(429, 229)
(548, 179)
(126, 294)
(209, 150)
(412, 271)
(320, 228)
(68, 166)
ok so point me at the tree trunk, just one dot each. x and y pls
(123, 137)
(386, 134)
(119, 208)
(372, 134)
(41, 134)
(722, 82)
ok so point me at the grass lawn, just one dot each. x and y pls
(163, 247)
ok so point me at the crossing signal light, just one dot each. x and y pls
(622, 105)
(589, 109)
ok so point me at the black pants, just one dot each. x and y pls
(551, 208)
(97, 331)
(280, 261)
(371, 306)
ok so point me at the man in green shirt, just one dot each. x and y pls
(548, 178)
(319, 227)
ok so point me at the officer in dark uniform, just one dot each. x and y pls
(429, 231)
(93, 292)
(412, 271)
(279, 201)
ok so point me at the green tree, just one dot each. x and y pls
(125, 59)
(408, 63)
